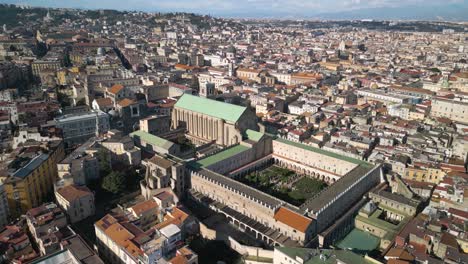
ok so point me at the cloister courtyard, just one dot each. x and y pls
(284, 184)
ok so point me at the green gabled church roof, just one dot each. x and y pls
(228, 112)
(254, 135)
(222, 155)
(152, 139)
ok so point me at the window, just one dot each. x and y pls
(135, 110)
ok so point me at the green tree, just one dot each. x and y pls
(133, 178)
(114, 182)
(40, 49)
(104, 161)
(63, 99)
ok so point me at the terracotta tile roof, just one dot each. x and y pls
(142, 207)
(116, 88)
(73, 192)
(449, 240)
(458, 213)
(418, 248)
(103, 102)
(183, 256)
(105, 222)
(399, 253)
(462, 75)
(185, 251)
(292, 219)
(418, 184)
(13, 235)
(163, 196)
(177, 217)
(122, 237)
(119, 234)
(178, 260)
(126, 102)
(183, 67)
(307, 75)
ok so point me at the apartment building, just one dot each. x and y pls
(80, 166)
(76, 201)
(30, 176)
(120, 241)
(79, 127)
(4, 210)
(47, 224)
(122, 150)
(451, 109)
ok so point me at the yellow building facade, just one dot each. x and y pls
(32, 184)
(424, 174)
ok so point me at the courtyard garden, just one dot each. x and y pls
(284, 184)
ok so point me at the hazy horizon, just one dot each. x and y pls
(281, 9)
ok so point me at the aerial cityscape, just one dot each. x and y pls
(233, 132)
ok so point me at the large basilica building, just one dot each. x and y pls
(209, 120)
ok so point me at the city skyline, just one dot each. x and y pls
(454, 10)
(236, 132)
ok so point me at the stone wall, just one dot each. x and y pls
(207, 232)
(249, 250)
(234, 200)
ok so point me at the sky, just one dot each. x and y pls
(258, 8)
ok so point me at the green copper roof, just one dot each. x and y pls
(253, 135)
(152, 139)
(359, 241)
(224, 154)
(228, 112)
(324, 152)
